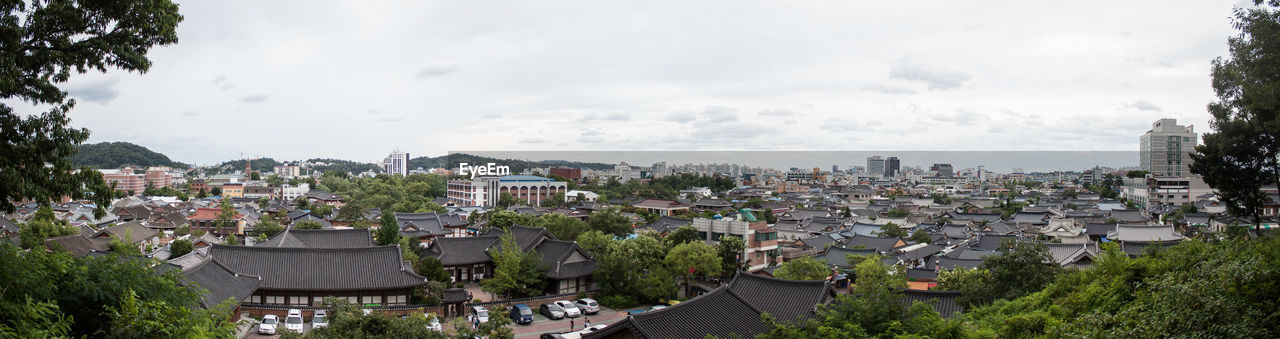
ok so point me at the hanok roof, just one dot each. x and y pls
(1029, 218)
(421, 224)
(462, 251)
(1100, 230)
(524, 236)
(1145, 234)
(658, 203)
(945, 263)
(979, 217)
(868, 230)
(564, 259)
(839, 256)
(219, 283)
(1066, 253)
(332, 238)
(991, 242)
(77, 244)
(942, 301)
(7, 226)
(322, 195)
(320, 269)
(1128, 215)
(711, 203)
(881, 245)
(132, 232)
(666, 224)
(730, 310)
(919, 252)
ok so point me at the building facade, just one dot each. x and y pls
(1166, 149)
(396, 163)
(875, 165)
(892, 167)
(761, 240)
(485, 191)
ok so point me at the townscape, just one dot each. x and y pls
(113, 239)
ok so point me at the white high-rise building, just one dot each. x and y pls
(875, 165)
(396, 163)
(1166, 149)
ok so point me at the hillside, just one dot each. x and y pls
(118, 154)
(451, 161)
(344, 166)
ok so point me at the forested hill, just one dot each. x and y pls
(117, 154)
(451, 161)
(344, 166)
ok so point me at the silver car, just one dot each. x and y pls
(570, 310)
(588, 305)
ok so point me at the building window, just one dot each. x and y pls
(353, 299)
(371, 299)
(275, 299)
(396, 300)
(255, 299)
(297, 300)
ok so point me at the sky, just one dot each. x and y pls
(355, 80)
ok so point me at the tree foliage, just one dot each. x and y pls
(631, 272)
(43, 43)
(516, 273)
(693, 259)
(347, 320)
(179, 247)
(610, 221)
(803, 268)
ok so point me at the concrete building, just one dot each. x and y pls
(125, 180)
(892, 167)
(287, 171)
(875, 165)
(1166, 149)
(292, 192)
(761, 240)
(485, 191)
(396, 163)
(942, 170)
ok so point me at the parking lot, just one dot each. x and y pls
(541, 324)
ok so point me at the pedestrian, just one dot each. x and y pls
(586, 323)
(570, 324)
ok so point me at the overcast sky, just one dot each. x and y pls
(357, 79)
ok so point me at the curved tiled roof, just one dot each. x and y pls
(331, 238)
(462, 251)
(319, 269)
(942, 301)
(220, 283)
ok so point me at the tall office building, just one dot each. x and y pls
(875, 165)
(892, 167)
(1166, 149)
(942, 170)
(396, 163)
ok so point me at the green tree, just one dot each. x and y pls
(562, 226)
(682, 235)
(505, 199)
(693, 259)
(803, 268)
(179, 247)
(43, 225)
(892, 230)
(610, 221)
(45, 41)
(307, 225)
(351, 212)
(389, 232)
(897, 213)
(594, 242)
(1242, 153)
(268, 228)
(255, 176)
(431, 268)
(872, 309)
(347, 320)
(216, 191)
(921, 237)
(730, 249)
(516, 273)
(275, 180)
(632, 272)
(504, 219)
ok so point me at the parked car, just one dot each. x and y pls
(551, 311)
(293, 321)
(433, 322)
(570, 310)
(320, 319)
(268, 325)
(521, 314)
(588, 305)
(478, 312)
(656, 307)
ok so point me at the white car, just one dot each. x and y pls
(478, 312)
(293, 321)
(320, 319)
(434, 322)
(570, 310)
(268, 325)
(588, 305)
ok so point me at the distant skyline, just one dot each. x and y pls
(356, 80)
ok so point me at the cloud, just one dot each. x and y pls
(606, 117)
(190, 113)
(777, 112)
(533, 140)
(789, 122)
(1143, 105)
(680, 117)
(391, 119)
(887, 89)
(100, 91)
(962, 116)
(254, 98)
(221, 80)
(937, 78)
(839, 125)
(590, 133)
(719, 114)
(435, 69)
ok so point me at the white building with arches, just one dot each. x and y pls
(485, 191)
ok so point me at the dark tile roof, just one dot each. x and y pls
(220, 283)
(7, 225)
(730, 310)
(666, 224)
(945, 263)
(421, 224)
(991, 242)
(976, 217)
(922, 274)
(455, 295)
(1099, 230)
(462, 251)
(882, 245)
(564, 259)
(77, 244)
(331, 238)
(942, 301)
(1128, 215)
(132, 232)
(920, 252)
(526, 237)
(839, 256)
(328, 269)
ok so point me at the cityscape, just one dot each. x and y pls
(591, 170)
